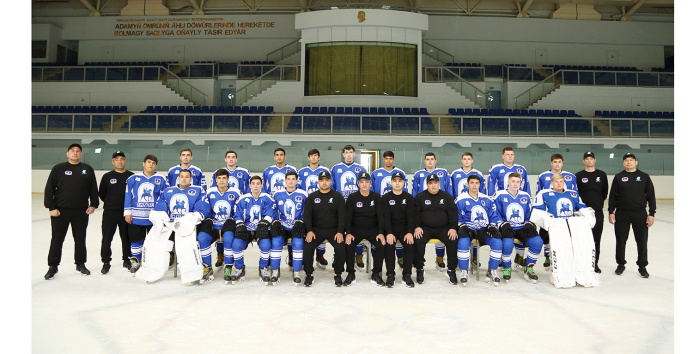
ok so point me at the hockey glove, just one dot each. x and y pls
(506, 230)
(206, 226)
(229, 225)
(493, 230)
(531, 228)
(464, 231)
(276, 228)
(242, 232)
(185, 225)
(262, 231)
(299, 229)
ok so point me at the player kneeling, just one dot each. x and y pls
(514, 208)
(289, 203)
(478, 220)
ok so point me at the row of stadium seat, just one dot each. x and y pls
(128, 63)
(209, 109)
(361, 110)
(78, 109)
(590, 67)
(252, 123)
(263, 62)
(354, 124)
(512, 112)
(664, 70)
(634, 114)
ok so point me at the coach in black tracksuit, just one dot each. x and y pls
(71, 195)
(593, 187)
(112, 193)
(631, 191)
(436, 217)
(324, 215)
(399, 214)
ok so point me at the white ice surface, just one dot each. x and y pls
(116, 313)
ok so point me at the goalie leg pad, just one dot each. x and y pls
(189, 258)
(155, 254)
(584, 254)
(562, 268)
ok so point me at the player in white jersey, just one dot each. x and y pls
(418, 184)
(544, 182)
(238, 178)
(198, 178)
(344, 181)
(273, 176)
(308, 181)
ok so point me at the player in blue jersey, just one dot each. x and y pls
(544, 182)
(219, 226)
(458, 177)
(237, 179)
(344, 181)
(198, 178)
(380, 183)
(141, 193)
(274, 175)
(418, 184)
(308, 181)
(289, 204)
(514, 207)
(479, 220)
(255, 212)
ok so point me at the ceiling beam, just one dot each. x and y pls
(631, 11)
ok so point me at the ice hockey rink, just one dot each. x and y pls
(117, 313)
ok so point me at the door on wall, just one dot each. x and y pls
(369, 160)
(228, 96)
(493, 99)
(179, 53)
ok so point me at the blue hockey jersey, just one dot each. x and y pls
(515, 210)
(498, 178)
(222, 205)
(198, 178)
(238, 179)
(418, 182)
(273, 179)
(544, 181)
(476, 213)
(141, 194)
(345, 178)
(380, 180)
(250, 210)
(177, 202)
(458, 181)
(560, 205)
(308, 178)
(290, 206)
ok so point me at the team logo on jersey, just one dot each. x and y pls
(524, 200)
(136, 178)
(584, 180)
(548, 178)
(232, 197)
(568, 178)
(277, 183)
(157, 180)
(483, 203)
(520, 171)
(380, 174)
(254, 216)
(84, 172)
(637, 179)
(598, 179)
(271, 172)
(479, 216)
(330, 201)
(239, 175)
(317, 200)
(404, 201)
(372, 202)
(212, 196)
(233, 183)
(624, 179)
(281, 202)
(386, 184)
(305, 173)
(144, 192)
(359, 204)
(348, 182)
(113, 181)
(339, 170)
(311, 184)
(461, 186)
(440, 174)
(191, 191)
(299, 199)
(502, 170)
(289, 209)
(427, 202)
(68, 173)
(222, 210)
(442, 201)
(564, 207)
(176, 172)
(515, 214)
(392, 202)
(573, 194)
(178, 205)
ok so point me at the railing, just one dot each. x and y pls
(524, 73)
(172, 123)
(119, 73)
(267, 78)
(436, 53)
(285, 51)
(592, 78)
(452, 79)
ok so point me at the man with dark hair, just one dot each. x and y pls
(289, 204)
(274, 175)
(399, 213)
(308, 181)
(459, 176)
(71, 195)
(324, 217)
(112, 192)
(198, 178)
(631, 191)
(593, 188)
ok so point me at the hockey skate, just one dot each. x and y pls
(390, 281)
(274, 277)
(452, 276)
(547, 264)
(350, 279)
(359, 262)
(220, 260)
(440, 263)
(238, 274)
(207, 274)
(321, 262)
(406, 280)
(297, 278)
(134, 265)
(530, 276)
(464, 277)
(519, 261)
(264, 275)
(52, 271)
(228, 269)
(492, 276)
(377, 279)
(507, 274)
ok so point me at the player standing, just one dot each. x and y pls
(399, 214)
(274, 175)
(198, 178)
(112, 193)
(290, 204)
(458, 177)
(308, 181)
(593, 187)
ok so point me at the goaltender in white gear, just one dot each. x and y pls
(570, 234)
(179, 209)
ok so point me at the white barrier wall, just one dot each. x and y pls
(664, 185)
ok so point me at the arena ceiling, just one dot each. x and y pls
(623, 10)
